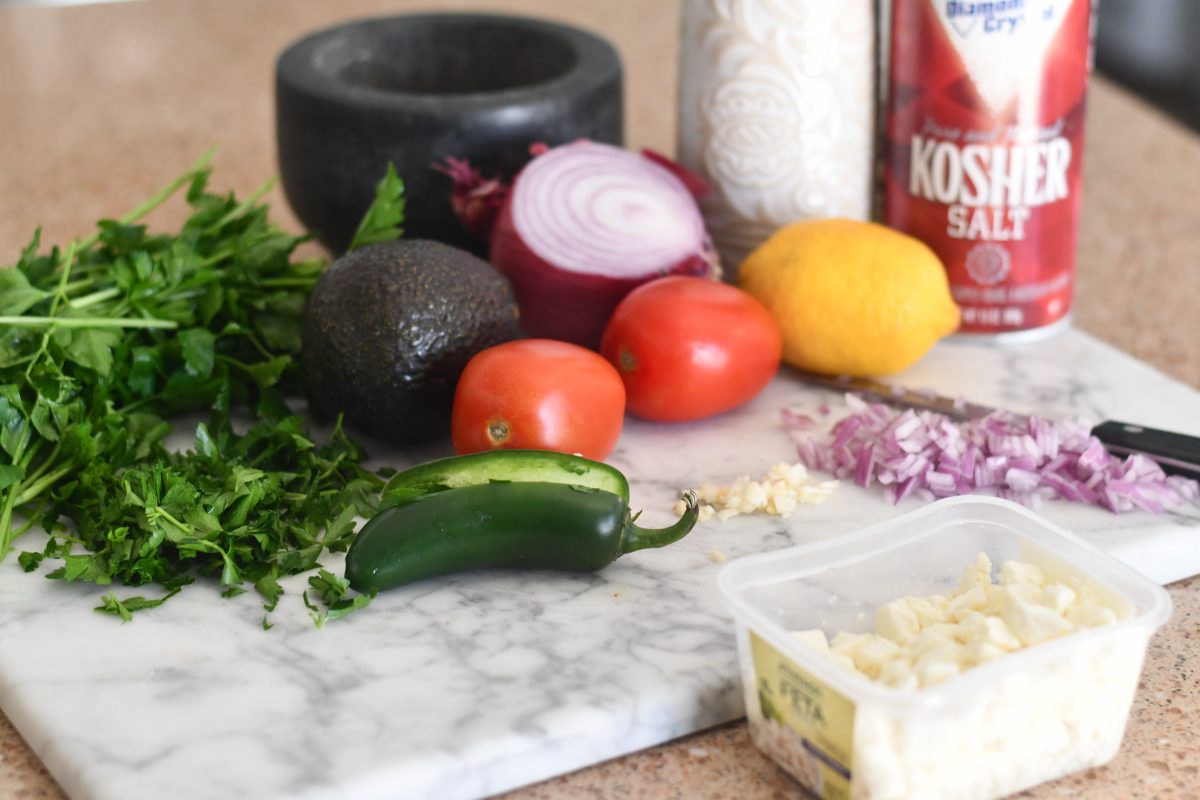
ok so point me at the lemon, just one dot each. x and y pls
(851, 298)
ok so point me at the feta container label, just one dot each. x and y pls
(822, 720)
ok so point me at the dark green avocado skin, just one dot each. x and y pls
(389, 328)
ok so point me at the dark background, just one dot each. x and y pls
(1153, 48)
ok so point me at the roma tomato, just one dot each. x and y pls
(539, 394)
(688, 348)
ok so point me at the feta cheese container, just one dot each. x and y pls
(1015, 721)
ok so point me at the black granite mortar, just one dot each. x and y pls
(415, 89)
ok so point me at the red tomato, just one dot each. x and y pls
(688, 348)
(539, 394)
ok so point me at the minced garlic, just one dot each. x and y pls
(779, 492)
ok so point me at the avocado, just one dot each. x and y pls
(389, 328)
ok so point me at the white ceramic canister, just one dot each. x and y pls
(776, 110)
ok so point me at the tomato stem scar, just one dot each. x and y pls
(628, 362)
(497, 431)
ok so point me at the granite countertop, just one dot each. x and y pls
(100, 105)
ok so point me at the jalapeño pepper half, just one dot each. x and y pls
(517, 466)
(532, 525)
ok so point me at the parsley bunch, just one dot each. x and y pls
(104, 341)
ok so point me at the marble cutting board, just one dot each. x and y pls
(466, 686)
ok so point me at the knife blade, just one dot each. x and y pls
(1176, 453)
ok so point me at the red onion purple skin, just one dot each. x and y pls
(559, 304)
(476, 200)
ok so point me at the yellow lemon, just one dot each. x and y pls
(852, 298)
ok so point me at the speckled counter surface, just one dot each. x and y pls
(101, 105)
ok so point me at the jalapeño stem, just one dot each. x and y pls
(635, 538)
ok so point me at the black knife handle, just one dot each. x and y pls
(1176, 453)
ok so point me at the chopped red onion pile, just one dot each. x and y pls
(1023, 459)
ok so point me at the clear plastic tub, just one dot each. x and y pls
(1013, 722)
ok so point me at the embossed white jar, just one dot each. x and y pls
(776, 109)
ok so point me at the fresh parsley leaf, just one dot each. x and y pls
(333, 592)
(82, 568)
(17, 294)
(385, 217)
(29, 561)
(269, 587)
(92, 348)
(10, 474)
(199, 351)
(125, 609)
(205, 446)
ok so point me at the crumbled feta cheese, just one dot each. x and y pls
(898, 674)
(977, 574)
(873, 654)
(1032, 623)
(922, 641)
(929, 610)
(898, 621)
(846, 643)
(937, 667)
(812, 638)
(1012, 572)
(1091, 616)
(843, 661)
(1059, 597)
(973, 600)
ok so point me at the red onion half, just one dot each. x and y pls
(1026, 459)
(583, 225)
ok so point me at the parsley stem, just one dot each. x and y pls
(325, 473)
(136, 404)
(47, 462)
(250, 337)
(44, 483)
(161, 513)
(87, 322)
(59, 294)
(217, 256)
(246, 205)
(29, 522)
(82, 283)
(25, 460)
(94, 297)
(6, 514)
(63, 536)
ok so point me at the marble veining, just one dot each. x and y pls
(465, 686)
